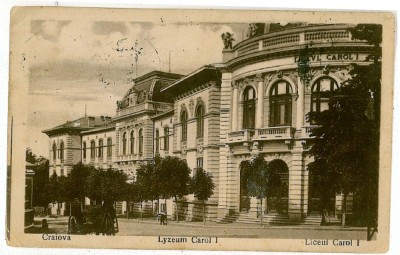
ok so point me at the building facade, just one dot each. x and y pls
(254, 102)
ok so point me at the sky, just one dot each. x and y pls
(76, 64)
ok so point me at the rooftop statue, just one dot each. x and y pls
(227, 38)
(255, 29)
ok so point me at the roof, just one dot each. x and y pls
(79, 125)
(163, 114)
(99, 129)
(148, 86)
(199, 77)
(29, 165)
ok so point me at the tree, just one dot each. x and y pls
(372, 33)
(258, 177)
(76, 181)
(57, 190)
(202, 186)
(29, 156)
(173, 177)
(346, 148)
(40, 179)
(130, 194)
(342, 148)
(105, 185)
(147, 186)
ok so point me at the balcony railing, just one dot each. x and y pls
(306, 131)
(290, 38)
(240, 136)
(149, 105)
(272, 133)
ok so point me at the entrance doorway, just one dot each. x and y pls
(244, 197)
(278, 192)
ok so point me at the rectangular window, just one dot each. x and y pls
(100, 148)
(199, 163)
(92, 150)
(109, 148)
(84, 150)
(166, 139)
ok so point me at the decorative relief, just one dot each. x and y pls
(342, 73)
(191, 106)
(259, 77)
(326, 70)
(235, 84)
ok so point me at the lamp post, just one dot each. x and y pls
(303, 66)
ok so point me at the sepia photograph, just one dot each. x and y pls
(194, 129)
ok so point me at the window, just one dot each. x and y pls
(84, 150)
(54, 151)
(92, 149)
(109, 147)
(132, 142)
(166, 138)
(320, 93)
(141, 141)
(184, 118)
(199, 163)
(280, 104)
(62, 151)
(157, 140)
(124, 144)
(200, 120)
(249, 108)
(101, 148)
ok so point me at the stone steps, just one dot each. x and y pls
(274, 219)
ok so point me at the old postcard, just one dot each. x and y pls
(200, 129)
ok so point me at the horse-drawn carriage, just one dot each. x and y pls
(92, 219)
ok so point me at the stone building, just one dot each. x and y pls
(254, 102)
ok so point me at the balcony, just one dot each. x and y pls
(274, 133)
(146, 106)
(293, 37)
(240, 136)
(306, 131)
(127, 157)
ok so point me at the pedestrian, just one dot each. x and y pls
(163, 218)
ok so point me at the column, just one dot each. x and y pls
(300, 105)
(235, 108)
(296, 186)
(260, 101)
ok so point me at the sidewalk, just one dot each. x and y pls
(211, 224)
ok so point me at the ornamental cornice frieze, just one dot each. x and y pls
(195, 90)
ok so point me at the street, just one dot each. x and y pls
(150, 227)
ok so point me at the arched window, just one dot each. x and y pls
(101, 148)
(184, 119)
(280, 104)
(109, 147)
(84, 150)
(321, 92)
(157, 141)
(200, 120)
(124, 144)
(249, 108)
(62, 151)
(166, 138)
(141, 141)
(92, 149)
(132, 142)
(54, 151)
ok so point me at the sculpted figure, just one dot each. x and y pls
(227, 38)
